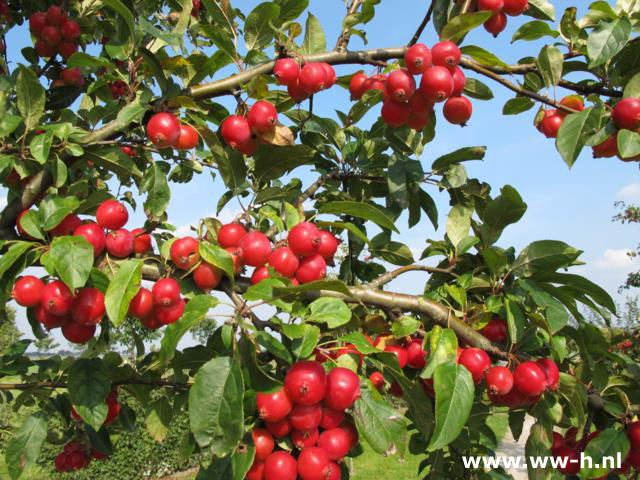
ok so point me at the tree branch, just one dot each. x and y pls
(345, 35)
(423, 24)
(133, 381)
(389, 276)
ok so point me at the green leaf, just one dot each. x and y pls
(534, 30)
(257, 31)
(505, 209)
(393, 252)
(607, 39)
(305, 339)
(314, 41)
(155, 67)
(88, 387)
(215, 405)
(632, 88)
(609, 443)
(113, 159)
(154, 184)
(360, 210)
(420, 408)
(544, 256)
(194, 312)
(383, 427)
(461, 155)
(122, 289)
(443, 346)
(458, 223)
(40, 146)
(538, 445)
(454, 397)
(72, 257)
(348, 226)
(30, 97)
(158, 418)
(81, 59)
(332, 311)
(291, 9)
(317, 286)
(440, 14)
(550, 61)
(583, 285)
(628, 143)
(59, 172)
(31, 223)
(574, 132)
(12, 255)
(124, 12)
(218, 257)
(273, 162)
(54, 208)
(482, 56)
(517, 105)
(476, 89)
(273, 346)
(23, 449)
(459, 25)
(541, 9)
(405, 326)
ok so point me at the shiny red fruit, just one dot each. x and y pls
(626, 113)
(515, 7)
(163, 129)
(496, 24)
(436, 84)
(120, 243)
(185, 252)
(394, 113)
(551, 372)
(551, 124)
(142, 241)
(357, 85)
(262, 116)
(263, 442)
(331, 418)
(499, 380)
(280, 428)
(286, 71)
(169, 314)
(312, 78)
(445, 54)
(311, 269)
(57, 299)
(401, 354)
(273, 407)
(378, 381)
(72, 77)
(343, 388)
(207, 276)
(376, 82)
(568, 454)
(256, 472)
(188, 138)
(306, 383)
(259, 274)
(165, 291)
(51, 35)
(55, 15)
(49, 320)
(284, 261)
(37, 22)
(335, 442)
(280, 466)
(457, 110)
(70, 30)
(141, 305)
(256, 248)
(529, 379)
(608, 148)
(331, 75)
(633, 432)
(313, 464)
(67, 226)
(416, 355)
(476, 361)
(495, 330)
(418, 58)
(27, 291)
(230, 235)
(304, 239)
(328, 245)
(459, 80)
(420, 105)
(305, 417)
(150, 322)
(236, 256)
(88, 307)
(302, 439)
(296, 92)
(492, 5)
(45, 50)
(400, 85)
(79, 334)
(61, 462)
(351, 432)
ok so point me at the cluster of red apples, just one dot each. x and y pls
(405, 102)
(55, 33)
(239, 132)
(569, 448)
(165, 130)
(625, 115)
(310, 411)
(500, 9)
(78, 313)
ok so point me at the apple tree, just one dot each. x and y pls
(118, 100)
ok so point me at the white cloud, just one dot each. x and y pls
(630, 192)
(615, 259)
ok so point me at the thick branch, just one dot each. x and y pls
(423, 24)
(158, 383)
(389, 276)
(36, 186)
(345, 35)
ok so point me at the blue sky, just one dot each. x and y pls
(574, 205)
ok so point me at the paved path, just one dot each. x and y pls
(509, 447)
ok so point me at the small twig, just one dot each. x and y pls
(389, 276)
(424, 23)
(345, 35)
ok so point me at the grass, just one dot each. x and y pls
(371, 465)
